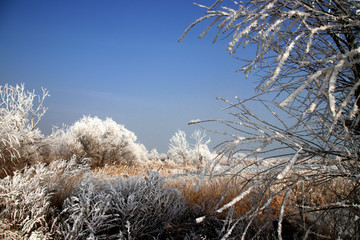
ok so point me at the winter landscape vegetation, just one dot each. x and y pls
(289, 170)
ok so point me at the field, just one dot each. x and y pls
(71, 200)
(93, 180)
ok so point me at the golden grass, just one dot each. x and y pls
(138, 170)
(128, 170)
(212, 194)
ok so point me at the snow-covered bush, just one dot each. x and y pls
(28, 198)
(119, 208)
(19, 116)
(24, 200)
(182, 152)
(104, 141)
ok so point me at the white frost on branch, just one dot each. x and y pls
(289, 165)
(307, 60)
(194, 121)
(282, 61)
(332, 82)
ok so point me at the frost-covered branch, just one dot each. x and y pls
(305, 126)
(296, 38)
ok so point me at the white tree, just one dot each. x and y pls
(181, 151)
(179, 148)
(307, 59)
(200, 149)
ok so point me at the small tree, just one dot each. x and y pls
(307, 58)
(181, 151)
(179, 148)
(200, 148)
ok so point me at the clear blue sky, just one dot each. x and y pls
(119, 59)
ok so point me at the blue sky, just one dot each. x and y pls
(119, 59)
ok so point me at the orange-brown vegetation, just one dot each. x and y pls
(139, 170)
(212, 194)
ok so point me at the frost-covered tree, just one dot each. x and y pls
(200, 149)
(20, 113)
(104, 141)
(181, 151)
(154, 156)
(307, 61)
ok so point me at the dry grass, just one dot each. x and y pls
(139, 170)
(214, 193)
(120, 170)
(6, 232)
(305, 203)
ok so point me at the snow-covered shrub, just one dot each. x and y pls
(19, 116)
(24, 200)
(119, 208)
(181, 151)
(27, 198)
(104, 141)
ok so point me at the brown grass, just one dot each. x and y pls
(212, 194)
(138, 170)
